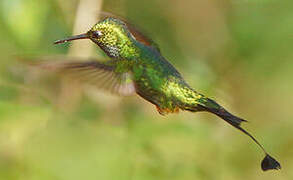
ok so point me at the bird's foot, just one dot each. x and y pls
(165, 111)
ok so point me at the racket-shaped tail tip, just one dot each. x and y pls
(269, 163)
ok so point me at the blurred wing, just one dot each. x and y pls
(141, 38)
(136, 34)
(102, 75)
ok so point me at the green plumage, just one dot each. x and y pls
(137, 66)
(155, 79)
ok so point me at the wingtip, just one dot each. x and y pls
(269, 163)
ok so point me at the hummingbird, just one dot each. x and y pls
(137, 66)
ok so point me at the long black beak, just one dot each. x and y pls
(81, 36)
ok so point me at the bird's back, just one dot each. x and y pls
(159, 82)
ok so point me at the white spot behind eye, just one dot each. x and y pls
(98, 33)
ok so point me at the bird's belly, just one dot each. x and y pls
(150, 93)
(156, 96)
(151, 81)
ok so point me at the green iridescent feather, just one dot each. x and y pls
(137, 65)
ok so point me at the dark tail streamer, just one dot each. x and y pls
(268, 162)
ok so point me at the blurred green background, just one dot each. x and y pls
(238, 52)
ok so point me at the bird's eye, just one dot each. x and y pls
(97, 34)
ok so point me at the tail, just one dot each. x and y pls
(211, 106)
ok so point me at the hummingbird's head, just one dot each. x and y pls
(112, 36)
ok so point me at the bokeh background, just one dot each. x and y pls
(238, 52)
